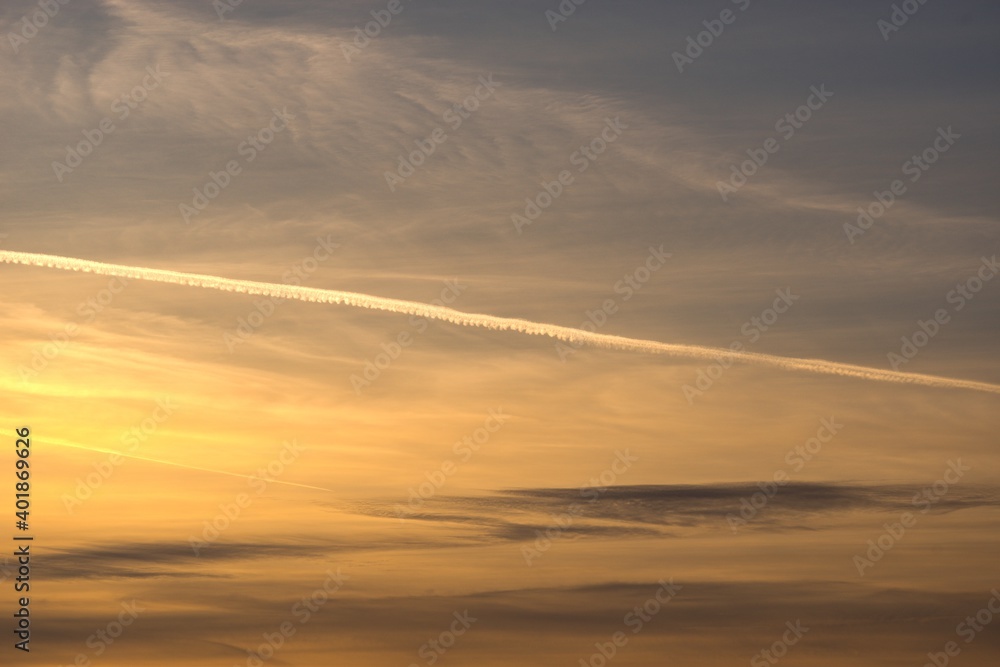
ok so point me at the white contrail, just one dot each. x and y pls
(567, 334)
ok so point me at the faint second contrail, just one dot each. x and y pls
(442, 313)
(102, 450)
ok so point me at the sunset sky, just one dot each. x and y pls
(803, 180)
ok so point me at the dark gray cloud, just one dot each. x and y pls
(145, 560)
(651, 510)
